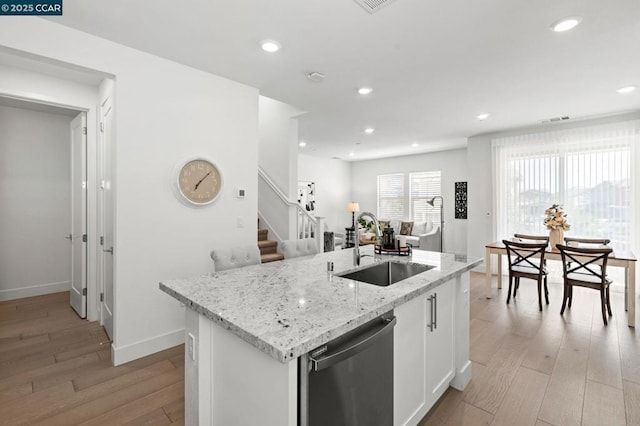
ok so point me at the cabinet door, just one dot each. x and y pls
(440, 356)
(409, 363)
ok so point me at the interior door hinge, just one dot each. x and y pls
(101, 240)
(84, 130)
(102, 297)
(102, 127)
(84, 238)
(84, 291)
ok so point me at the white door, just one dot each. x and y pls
(78, 234)
(107, 204)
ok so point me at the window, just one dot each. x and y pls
(391, 196)
(587, 170)
(404, 196)
(424, 186)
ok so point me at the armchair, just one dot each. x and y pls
(430, 240)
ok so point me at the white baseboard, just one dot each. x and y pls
(34, 290)
(126, 353)
(462, 378)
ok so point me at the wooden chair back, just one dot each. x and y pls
(587, 262)
(594, 241)
(528, 255)
(524, 238)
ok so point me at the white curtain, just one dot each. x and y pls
(590, 171)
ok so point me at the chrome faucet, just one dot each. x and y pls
(356, 251)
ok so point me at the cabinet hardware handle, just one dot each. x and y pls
(435, 310)
(430, 298)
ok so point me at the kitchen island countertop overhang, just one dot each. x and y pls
(290, 307)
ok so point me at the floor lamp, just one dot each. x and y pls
(432, 203)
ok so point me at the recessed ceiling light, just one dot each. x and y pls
(415, 144)
(351, 154)
(626, 89)
(365, 90)
(302, 144)
(270, 45)
(369, 130)
(482, 116)
(566, 24)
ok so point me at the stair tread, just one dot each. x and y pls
(271, 257)
(267, 243)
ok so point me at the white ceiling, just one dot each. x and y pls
(434, 65)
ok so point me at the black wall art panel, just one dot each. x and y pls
(461, 200)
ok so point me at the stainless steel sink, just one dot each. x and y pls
(386, 273)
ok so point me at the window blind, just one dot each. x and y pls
(587, 170)
(391, 196)
(422, 187)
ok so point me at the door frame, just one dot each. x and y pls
(106, 101)
(78, 299)
(91, 110)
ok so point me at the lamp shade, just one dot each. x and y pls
(353, 207)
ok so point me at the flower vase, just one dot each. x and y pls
(556, 236)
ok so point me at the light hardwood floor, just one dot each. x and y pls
(529, 367)
(55, 369)
(541, 368)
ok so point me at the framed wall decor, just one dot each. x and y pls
(461, 200)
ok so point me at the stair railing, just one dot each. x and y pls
(306, 225)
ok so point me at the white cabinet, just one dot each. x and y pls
(424, 352)
(409, 362)
(440, 356)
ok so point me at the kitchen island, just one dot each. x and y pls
(247, 327)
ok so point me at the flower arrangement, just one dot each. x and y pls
(556, 218)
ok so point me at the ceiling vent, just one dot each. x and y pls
(555, 119)
(372, 6)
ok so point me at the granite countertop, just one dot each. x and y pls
(287, 308)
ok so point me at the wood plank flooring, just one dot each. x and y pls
(529, 367)
(541, 368)
(55, 369)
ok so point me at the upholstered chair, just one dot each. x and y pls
(235, 257)
(296, 248)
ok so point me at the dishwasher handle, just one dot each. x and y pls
(366, 340)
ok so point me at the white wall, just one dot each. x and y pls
(278, 146)
(164, 112)
(278, 158)
(482, 226)
(35, 209)
(333, 188)
(453, 166)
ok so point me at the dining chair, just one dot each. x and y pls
(296, 248)
(526, 260)
(591, 241)
(527, 238)
(235, 257)
(586, 267)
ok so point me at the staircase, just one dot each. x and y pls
(268, 248)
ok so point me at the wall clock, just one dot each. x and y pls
(198, 182)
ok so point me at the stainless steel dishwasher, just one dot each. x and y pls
(349, 381)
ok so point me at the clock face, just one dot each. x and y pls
(199, 182)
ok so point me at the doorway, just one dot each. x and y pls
(35, 251)
(80, 235)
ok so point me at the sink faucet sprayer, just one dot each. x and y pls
(356, 251)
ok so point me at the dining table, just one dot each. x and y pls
(621, 258)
